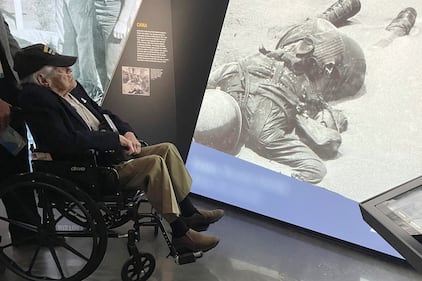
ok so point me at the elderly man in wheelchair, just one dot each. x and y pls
(93, 179)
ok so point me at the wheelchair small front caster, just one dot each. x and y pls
(138, 270)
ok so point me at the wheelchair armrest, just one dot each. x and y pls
(86, 157)
(94, 179)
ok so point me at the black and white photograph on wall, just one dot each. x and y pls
(136, 81)
(93, 30)
(325, 91)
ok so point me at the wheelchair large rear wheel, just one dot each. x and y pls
(52, 247)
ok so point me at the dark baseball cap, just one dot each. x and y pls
(32, 58)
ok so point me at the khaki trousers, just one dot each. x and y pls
(159, 171)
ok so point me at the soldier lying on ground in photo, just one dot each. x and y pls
(276, 103)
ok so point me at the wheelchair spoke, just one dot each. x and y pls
(59, 218)
(75, 252)
(20, 224)
(73, 212)
(6, 246)
(31, 265)
(80, 217)
(66, 213)
(133, 273)
(56, 260)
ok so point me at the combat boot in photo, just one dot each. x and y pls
(339, 12)
(403, 22)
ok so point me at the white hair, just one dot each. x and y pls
(33, 78)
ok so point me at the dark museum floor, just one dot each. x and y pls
(258, 249)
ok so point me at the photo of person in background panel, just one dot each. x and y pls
(75, 24)
(112, 22)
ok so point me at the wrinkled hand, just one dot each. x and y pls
(120, 29)
(4, 114)
(130, 143)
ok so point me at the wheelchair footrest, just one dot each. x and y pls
(187, 257)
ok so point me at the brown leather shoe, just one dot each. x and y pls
(200, 221)
(194, 241)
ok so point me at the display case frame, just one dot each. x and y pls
(386, 214)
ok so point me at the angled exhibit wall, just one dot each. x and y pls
(173, 42)
(244, 152)
(142, 87)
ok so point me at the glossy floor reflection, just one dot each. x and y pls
(253, 248)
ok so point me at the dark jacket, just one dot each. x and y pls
(57, 127)
(10, 164)
(9, 47)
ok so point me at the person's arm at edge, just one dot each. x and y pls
(121, 26)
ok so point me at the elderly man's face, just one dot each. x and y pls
(61, 80)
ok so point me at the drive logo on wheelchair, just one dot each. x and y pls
(77, 169)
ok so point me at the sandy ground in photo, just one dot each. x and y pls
(382, 147)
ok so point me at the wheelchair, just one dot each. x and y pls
(79, 206)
